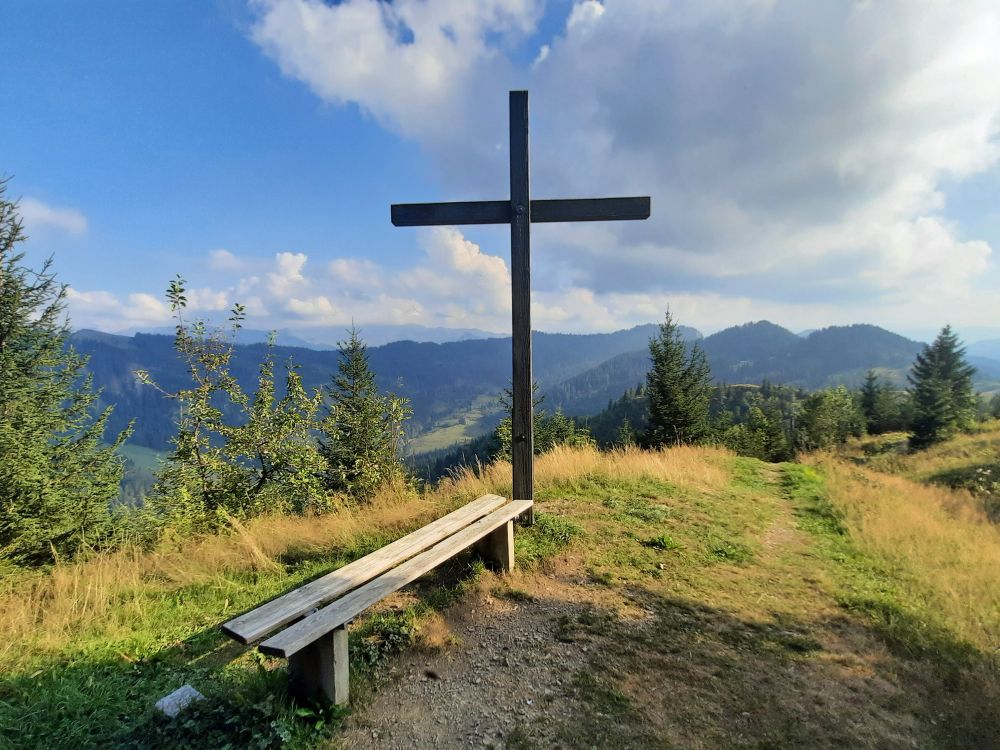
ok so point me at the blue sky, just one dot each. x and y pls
(812, 164)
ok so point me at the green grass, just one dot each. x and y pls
(455, 428)
(699, 629)
(98, 693)
(546, 537)
(867, 587)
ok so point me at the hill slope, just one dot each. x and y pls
(684, 598)
(754, 352)
(443, 381)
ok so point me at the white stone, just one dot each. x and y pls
(178, 700)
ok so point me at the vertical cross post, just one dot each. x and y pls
(522, 428)
(519, 212)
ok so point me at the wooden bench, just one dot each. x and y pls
(317, 614)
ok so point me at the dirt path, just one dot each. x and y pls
(682, 651)
(493, 667)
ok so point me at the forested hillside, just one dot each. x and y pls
(755, 352)
(579, 374)
(441, 380)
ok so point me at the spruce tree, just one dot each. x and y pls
(57, 476)
(362, 431)
(679, 390)
(870, 397)
(941, 390)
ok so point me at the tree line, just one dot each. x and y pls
(235, 454)
(678, 404)
(773, 422)
(281, 447)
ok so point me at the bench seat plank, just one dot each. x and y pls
(267, 618)
(298, 636)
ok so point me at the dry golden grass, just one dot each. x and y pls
(967, 449)
(936, 537)
(696, 468)
(106, 595)
(109, 593)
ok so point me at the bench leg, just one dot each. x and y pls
(498, 547)
(321, 670)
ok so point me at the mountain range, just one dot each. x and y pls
(328, 337)
(459, 382)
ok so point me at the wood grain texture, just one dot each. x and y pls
(269, 617)
(321, 671)
(497, 547)
(522, 447)
(298, 636)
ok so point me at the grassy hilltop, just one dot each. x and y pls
(689, 598)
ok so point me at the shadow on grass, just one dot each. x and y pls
(693, 675)
(982, 480)
(698, 676)
(106, 700)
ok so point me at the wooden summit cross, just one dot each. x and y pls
(520, 211)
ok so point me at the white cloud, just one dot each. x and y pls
(145, 308)
(314, 307)
(39, 215)
(798, 154)
(92, 301)
(542, 55)
(287, 274)
(106, 311)
(583, 14)
(223, 260)
(207, 300)
(355, 272)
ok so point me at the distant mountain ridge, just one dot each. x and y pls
(441, 380)
(753, 352)
(327, 337)
(446, 382)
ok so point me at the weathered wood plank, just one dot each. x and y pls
(291, 606)
(298, 636)
(499, 212)
(450, 214)
(321, 671)
(497, 547)
(522, 425)
(590, 209)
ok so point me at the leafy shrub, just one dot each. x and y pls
(662, 542)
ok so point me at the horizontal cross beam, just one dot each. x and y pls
(498, 212)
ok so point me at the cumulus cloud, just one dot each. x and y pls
(39, 215)
(798, 154)
(355, 272)
(287, 274)
(108, 312)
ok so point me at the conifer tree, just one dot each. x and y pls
(994, 407)
(679, 390)
(362, 432)
(871, 392)
(57, 476)
(941, 389)
(626, 435)
(549, 430)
